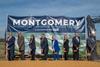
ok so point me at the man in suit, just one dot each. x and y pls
(76, 43)
(21, 45)
(56, 48)
(10, 46)
(44, 47)
(32, 46)
(66, 47)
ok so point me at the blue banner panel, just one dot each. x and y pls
(46, 24)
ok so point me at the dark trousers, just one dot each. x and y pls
(88, 53)
(76, 55)
(56, 56)
(65, 55)
(22, 55)
(45, 54)
(33, 54)
(10, 55)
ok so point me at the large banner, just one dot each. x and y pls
(46, 24)
(58, 25)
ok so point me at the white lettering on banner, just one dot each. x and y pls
(56, 22)
(51, 22)
(78, 22)
(71, 22)
(16, 22)
(65, 22)
(31, 22)
(24, 22)
(37, 21)
(43, 22)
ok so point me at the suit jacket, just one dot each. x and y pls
(11, 43)
(76, 42)
(32, 44)
(66, 45)
(21, 43)
(56, 46)
(44, 44)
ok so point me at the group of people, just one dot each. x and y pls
(44, 46)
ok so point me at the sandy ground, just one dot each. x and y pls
(48, 63)
(29, 63)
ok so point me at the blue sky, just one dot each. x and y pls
(70, 8)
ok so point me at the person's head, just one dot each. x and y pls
(53, 37)
(43, 35)
(65, 37)
(76, 34)
(20, 34)
(32, 36)
(9, 33)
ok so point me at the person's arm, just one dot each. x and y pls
(21, 43)
(74, 45)
(78, 44)
(18, 42)
(57, 45)
(52, 46)
(46, 43)
(41, 44)
(30, 41)
(64, 47)
(67, 45)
